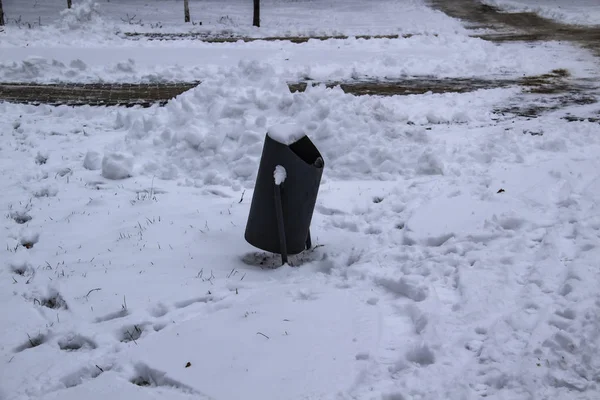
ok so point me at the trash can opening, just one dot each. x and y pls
(307, 152)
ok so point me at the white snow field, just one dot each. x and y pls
(456, 246)
(578, 12)
(439, 46)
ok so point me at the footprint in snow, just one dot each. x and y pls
(273, 261)
(84, 374)
(20, 217)
(131, 333)
(421, 355)
(32, 342)
(305, 295)
(411, 287)
(147, 376)
(41, 159)
(393, 396)
(28, 240)
(159, 310)
(561, 341)
(328, 211)
(189, 302)
(114, 315)
(74, 342)
(373, 230)
(563, 319)
(345, 224)
(21, 268)
(53, 300)
(45, 191)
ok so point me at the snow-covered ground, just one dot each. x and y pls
(455, 247)
(446, 56)
(278, 17)
(579, 12)
(428, 281)
(68, 52)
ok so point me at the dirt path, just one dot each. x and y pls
(221, 38)
(95, 94)
(501, 26)
(524, 26)
(145, 95)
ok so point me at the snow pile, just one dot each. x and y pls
(329, 60)
(279, 175)
(116, 166)
(84, 14)
(214, 133)
(50, 24)
(580, 12)
(93, 160)
(286, 133)
(30, 69)
(429, 164)
(49, 70)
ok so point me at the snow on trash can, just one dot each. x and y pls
(285, 193)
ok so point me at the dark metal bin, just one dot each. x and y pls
(280, 215)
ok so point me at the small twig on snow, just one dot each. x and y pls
(90, 292)
(260, 333)
(131, 337)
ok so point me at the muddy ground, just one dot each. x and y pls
(521, 26)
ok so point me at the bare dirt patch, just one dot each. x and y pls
(96, 94)
(222, 38)
(518, 26)
(145, 95)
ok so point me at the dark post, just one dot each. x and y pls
(186, 10)
(69, 3)
(256, 19)
(280, 225)
(1, 14)
(281, 210)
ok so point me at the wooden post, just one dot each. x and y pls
(256, 19)
(1, 14)
(186, 10)
(69, 3)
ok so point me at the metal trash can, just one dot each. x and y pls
(280, 214)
